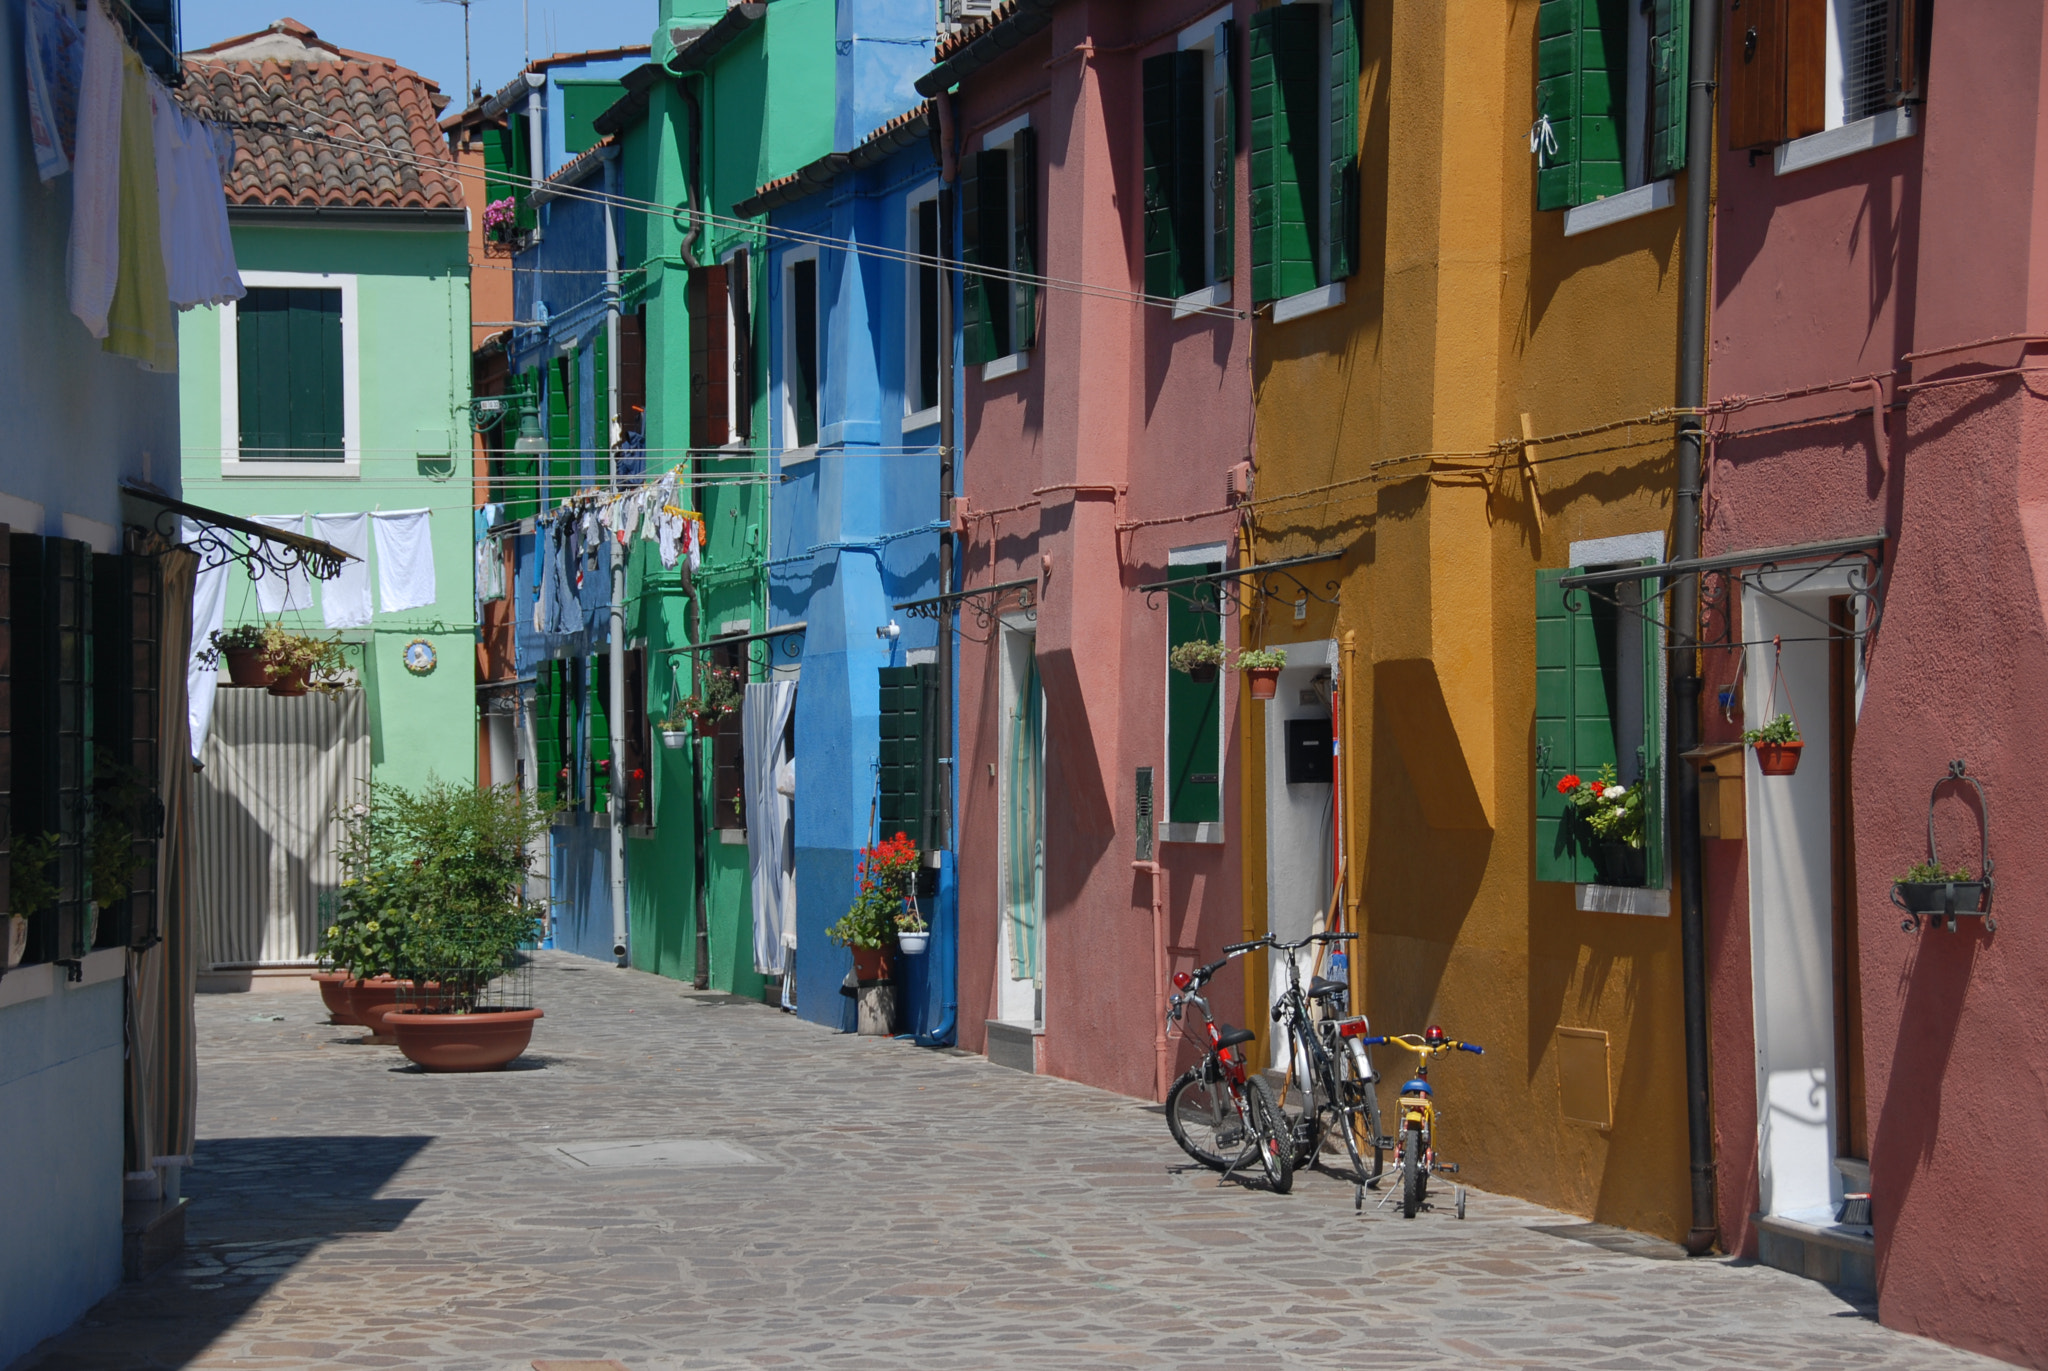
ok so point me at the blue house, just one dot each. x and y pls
(854, 372)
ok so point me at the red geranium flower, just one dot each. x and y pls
(1568, 784)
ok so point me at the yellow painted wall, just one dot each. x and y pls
(1469, 309)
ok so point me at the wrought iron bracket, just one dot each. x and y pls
(1237, 589)
(984, 603)
(760, 649)
(1922, 901)
(266, 551)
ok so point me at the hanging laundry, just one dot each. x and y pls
(55, 52)
(345, 600)
(209, 612)
(92, 257)
(140, 322)
(275, 593)
(199, 254)
(405, 559)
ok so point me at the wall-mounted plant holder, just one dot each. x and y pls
(1945, 901)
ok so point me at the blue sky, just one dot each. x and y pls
(426, 35)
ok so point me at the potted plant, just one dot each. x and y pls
(1777, 746)
(913, 934)
(360, 948)
(887, 870)
(243, 646)
(718, 694)
(674, 726)
(32, 889)
(1261, 665)
(299, 662)
(1931, 888)
(1198, 659)
(1609, 820)
(501, 220)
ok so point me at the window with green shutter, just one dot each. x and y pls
(1599, 702)
(288, 375)
(1190, 145)
(1304, 77)
(565, 457)
(53, 726)
(599, 741)
(550, 706)
(909, 785)
(1610, 96)
(1194, 709)
(999, 231)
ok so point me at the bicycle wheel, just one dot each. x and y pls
(1411, 1172)
(1203, 1119)
(1273, 1142)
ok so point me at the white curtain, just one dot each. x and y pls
(345, 600)
(209, 612)
(771, 839)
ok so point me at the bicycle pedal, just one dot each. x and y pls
(1447, 1168)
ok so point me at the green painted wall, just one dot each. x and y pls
(412, 294)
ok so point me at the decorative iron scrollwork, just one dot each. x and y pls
(1236, 590)
(984, 603)
(265, 551)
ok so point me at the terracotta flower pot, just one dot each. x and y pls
(246, 667)
(870, 963)
(334, 994)
(367, 1001)
(462, 1042)
(290, 683)
(1265, 680)
(1777, 759)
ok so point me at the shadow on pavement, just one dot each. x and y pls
(259, 1206)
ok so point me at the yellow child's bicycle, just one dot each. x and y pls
(1415, 1154)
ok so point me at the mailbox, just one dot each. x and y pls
(1721, 811)
(1308, 751)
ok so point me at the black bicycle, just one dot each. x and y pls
(1222, 1115)
(1328, 1062)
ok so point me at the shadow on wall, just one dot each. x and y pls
(242, 1240)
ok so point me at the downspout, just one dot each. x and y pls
(534, 129)
(621, 782)
(612, 175)
(693, 183)
(1350, 868)
(1682, 727)
(1159, 1063)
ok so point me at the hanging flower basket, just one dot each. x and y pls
(1265, 681)
(675, 737)
(1777, 742)
(1931, 890)
(246, 666)
(1777, 759)
(913, 944)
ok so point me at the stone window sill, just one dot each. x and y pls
(1005, 366)
(1194, 302)
(1624, 899)
(1191, 833)
(1308, 302)
(1888, 126)
(924, 418)
(1630, 204)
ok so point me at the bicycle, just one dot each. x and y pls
(1220, 1114)
(1415, 1145)
(1339, 1085)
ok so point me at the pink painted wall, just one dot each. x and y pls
(1116, 395)
(1829, 274)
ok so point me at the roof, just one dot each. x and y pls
(631, 107)
(593, 55)
(704, 47)
(905, 130)
(572, 172)
(385, 151)
(983, 41)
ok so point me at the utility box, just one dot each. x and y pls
(1309, 759)
(1721, 806)
(1144, 825)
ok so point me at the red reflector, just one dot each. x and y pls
(1181, 980)
(1352, 1028)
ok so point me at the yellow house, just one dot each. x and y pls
(1466, 274)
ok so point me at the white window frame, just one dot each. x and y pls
(734, 363)
(1640, 194)
(913, 351)
(231, 463)
(1206, 832)
(1004, 137)
(1200, 36)
(785, 267)
(1329, 294)
(1840, 137)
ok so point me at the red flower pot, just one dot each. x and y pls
(290, 683)
(870, 963)
(484, 1041)
(246, 666)
(1777, 759)
(367, 1001)
(1265, 680)
(334, 986)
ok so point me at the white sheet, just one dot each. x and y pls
(405, 559)
(209, 612)
(294, 591)
(92, 257)
(771, 851)
(345, 600)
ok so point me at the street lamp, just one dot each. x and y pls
(530, 444)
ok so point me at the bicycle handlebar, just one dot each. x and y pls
(1233, 949)
(1421, 1049)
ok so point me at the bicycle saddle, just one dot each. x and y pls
(1319, 986)
(1227, 1036)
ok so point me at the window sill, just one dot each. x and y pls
(733, 837)
(1624, 899)
(235, 469)
(41, 979)
(1890, 126)
(1191, 833)
(1308, 302)
(924, 418)
(797, 456)
(1630, 204)
(1206, 298)
(1006, 366)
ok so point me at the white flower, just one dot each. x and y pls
(1617, 790)
(1617, 812)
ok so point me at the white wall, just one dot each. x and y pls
(1299, 828)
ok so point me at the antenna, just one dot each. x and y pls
(467, 85)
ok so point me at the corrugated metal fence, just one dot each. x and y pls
(279, 770)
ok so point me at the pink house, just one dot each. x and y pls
(1095, 424)
(1880, 315)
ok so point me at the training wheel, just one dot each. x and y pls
(1460, 1191)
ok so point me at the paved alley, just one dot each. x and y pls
(805, 1199)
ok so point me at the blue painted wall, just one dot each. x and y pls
(883, 47)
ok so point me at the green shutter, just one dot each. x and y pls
(600, 733)
(1162, 250)
(520, 489)
(1024, 194)
(906, 754)
(564, 469)
(1344, 45)
(601, 406)
(1286, 149)
(1193, 708)
(547, 733)
(1652, 775)
(1574, 734)
(1226, 152)
(1581, 74)
(1670, 62)
(977, 325)
(582, 102)
(288, 374)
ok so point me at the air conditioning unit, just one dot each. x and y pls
(964, 11)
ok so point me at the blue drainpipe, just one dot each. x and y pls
(943, 976)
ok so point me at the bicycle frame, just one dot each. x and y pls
(1328, 1047)
(1417, 1111)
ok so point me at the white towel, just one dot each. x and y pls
(345, 600)
(209, 612)
(199, 255)
(92, 258)
(55, 50)
(405, 559)
(275, 594)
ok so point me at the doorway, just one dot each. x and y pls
(1020, 944)
(1300, 819)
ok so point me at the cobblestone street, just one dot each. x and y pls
(838, 1202)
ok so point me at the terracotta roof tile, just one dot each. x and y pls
(385, 150)
(954, 42)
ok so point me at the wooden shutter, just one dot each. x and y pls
(7, 706)
(1193, 708)
(1024, 199)
(634, 766)
(803, 284)
(547, 734)
(1286, 149)
(977, 320)
(907, 756)
(1753, 83)
(1344, 57)
(288, 377)
(633, 371)
(1163, 248)
(126, 608)
(1670, 61)
(496, 145)
(67, 726)
(728, 774)
(1226, 151)
(599, 674)
(1904, 45)
(564, 468)
(1581, 73)
(1573, 733)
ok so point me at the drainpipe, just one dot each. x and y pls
(1348, 869)
(617, 706)
(611, 321)
(1682, 727)
(695, 180)
(534, 158)
(1159, 1067)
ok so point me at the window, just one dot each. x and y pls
(1194, 709)
(728, 748)
(710, 360)
(1610, 97)
(800, 355)
(1190, 162)
(910, 788)
(552, 751)
(1599, 701)
(921, 318)
(51, 728)
(289, 390)
(999, 230)
(1304, 147)
(1801, 67)
(739, 390)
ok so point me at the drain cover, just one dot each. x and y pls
(661, 1152)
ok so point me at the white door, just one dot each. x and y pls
(1020, 944)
